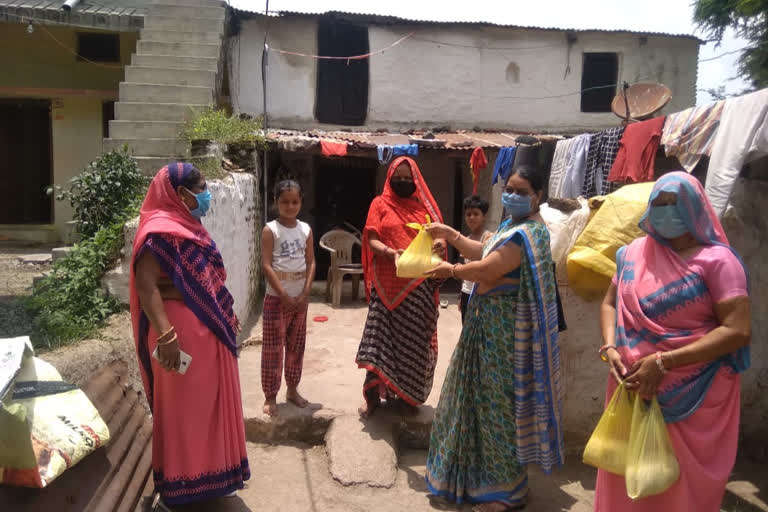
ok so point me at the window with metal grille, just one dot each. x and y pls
(98, 47)
(598, 81)
(342, 85)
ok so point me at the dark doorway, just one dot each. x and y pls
(25, 162)
(598, 81)
(342, 85)
(344, 189)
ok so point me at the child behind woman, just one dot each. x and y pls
(288, 261)
(475, 212)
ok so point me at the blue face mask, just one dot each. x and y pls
(203, 204)
(516, 205)
(667, 222)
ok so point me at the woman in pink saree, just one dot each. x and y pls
(179, 303)
(676, 324)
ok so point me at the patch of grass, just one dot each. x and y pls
(210, 167)
(218, 126)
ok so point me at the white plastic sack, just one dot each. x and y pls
(564, 229)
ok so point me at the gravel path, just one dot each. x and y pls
(16, 284)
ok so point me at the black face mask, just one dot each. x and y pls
(403, 188)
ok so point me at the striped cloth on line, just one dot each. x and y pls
(690, 134)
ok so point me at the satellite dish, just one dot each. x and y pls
(641, 100)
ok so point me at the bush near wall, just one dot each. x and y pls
(69, 303)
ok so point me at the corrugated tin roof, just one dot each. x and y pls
(244, 6)
(452, 140)
(107, 14)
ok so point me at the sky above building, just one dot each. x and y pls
(717, 64)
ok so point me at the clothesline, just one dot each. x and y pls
(351, 57)
(595, 164)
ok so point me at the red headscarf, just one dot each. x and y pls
(387, 218)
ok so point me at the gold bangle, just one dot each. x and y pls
(166, 333)
(174, 338)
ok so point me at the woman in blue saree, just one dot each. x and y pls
(501, 403)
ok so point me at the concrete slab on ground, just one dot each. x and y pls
(35, 259)
(295, 478)
(331, 380)
(361, 452)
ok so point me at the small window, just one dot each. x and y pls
(107, 115)
(598, 81)
(98, 47)
(342, 85)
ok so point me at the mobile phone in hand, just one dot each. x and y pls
(184, 361)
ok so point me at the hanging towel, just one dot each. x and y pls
(603, 148)
(741, 138)
(691, 133)
(333, 148)
(576, 164)
(385, 153)
(477, 162)
(637, 152)
(557, 171)
(503, 166)
(405, 150)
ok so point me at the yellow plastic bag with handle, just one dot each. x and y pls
(418, 257)
(608, 445)
(652, 466)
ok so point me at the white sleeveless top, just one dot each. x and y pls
(289, 254)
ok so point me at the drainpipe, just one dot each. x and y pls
(69, 4)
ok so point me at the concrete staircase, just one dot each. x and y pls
(173, 73)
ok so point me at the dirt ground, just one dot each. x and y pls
(16, 284)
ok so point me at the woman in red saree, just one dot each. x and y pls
(179, 303)
(398, 349)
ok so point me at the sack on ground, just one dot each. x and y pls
(46, 425)
(418, 258)
(607, 448)
(592, 261)
(652, 466)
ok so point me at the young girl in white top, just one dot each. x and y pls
(288, 261)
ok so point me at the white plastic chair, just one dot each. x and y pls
(340, 243)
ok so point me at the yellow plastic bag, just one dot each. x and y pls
(418, 257)
(652, 466)
(607, 447)
(592, 262)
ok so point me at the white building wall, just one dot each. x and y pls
(455, 84)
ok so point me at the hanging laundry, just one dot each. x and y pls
(384, 152)
(690, 134)
(741, 137)
(603, 148)
(576, 164)
(333, 148)
(637, 152)
(477, 162)
(503, 166)
(557, 171)
(405, 150)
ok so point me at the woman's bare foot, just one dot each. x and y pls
(270, 407)
(405, 408)
(295, 398)
(367, 409)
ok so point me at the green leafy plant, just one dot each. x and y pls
(218, 126)
(101, 192)
(69, 303)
